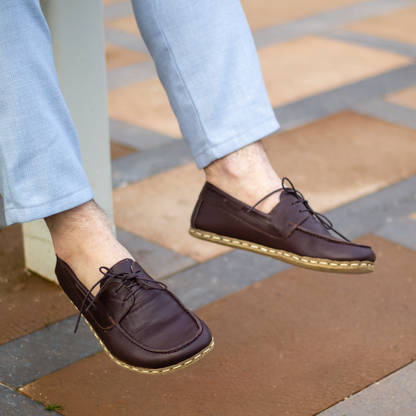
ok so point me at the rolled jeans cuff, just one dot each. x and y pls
(60, 204)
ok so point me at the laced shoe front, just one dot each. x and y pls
(292, 232)
(140, 324)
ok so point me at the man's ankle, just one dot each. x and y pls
(246, 175)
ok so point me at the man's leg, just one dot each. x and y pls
(207, 62)
(141, 325)
(41, 171)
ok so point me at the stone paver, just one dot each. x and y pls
(347, 97)
(393, 396)
(265, 13)
(406, 98)
(293, 70)
(138, 166)
(27, 301)
(135, 137)
(152, 111)
(342, 158)
(292, 344)
(118, 150)
(159, 209)
(398, 26)
(328, 21)
(42, 352)
(117, 57)
(401, 232)
(320, 154)
(13, 403)
(375, 42)
(157, 261)
(117, 8)
(125, 24)
(390, 112)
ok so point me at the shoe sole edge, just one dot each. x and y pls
(317, 264)
(156, 371)
(151, 371)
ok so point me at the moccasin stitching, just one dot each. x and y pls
(345, 243)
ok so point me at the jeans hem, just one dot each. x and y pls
(14, 215)
(236, 143)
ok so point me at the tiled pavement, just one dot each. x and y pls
(341, 76)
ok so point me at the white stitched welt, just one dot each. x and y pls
(280, 253)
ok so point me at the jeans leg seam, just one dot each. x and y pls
(181, 79)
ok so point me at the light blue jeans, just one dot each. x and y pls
(205, 58)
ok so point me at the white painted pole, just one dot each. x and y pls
(78, 46)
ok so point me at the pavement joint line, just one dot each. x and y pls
(137, 137)
(131, 74)
(158, 261)
(15, 403)
(139, 166)
(344, 98)
(50, 349)
(125, 40)
(317, 24)
(373, 42)
(398, 386)
(402, 231)
(327, 21)
(390, 112)
(45, 351)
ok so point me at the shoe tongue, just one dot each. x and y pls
(286, 194)
(125, 266)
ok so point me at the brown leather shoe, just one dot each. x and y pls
(292, 232)
(139, 323)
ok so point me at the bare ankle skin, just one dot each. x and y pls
(84, 239)
(247, 176)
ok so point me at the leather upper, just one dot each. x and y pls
(144, 325)
(289, 226)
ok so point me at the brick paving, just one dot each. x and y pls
(341, 76)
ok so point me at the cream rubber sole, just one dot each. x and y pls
(322, 265)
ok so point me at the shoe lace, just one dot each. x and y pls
(301, 200)
(131, 280)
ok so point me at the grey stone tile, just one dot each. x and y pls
(402, 232)
(347, 97)
(135, 167)
(222, 276)
(329, 21)
(13, 403)
(35, 355)
(117, 10)
(2, 214)
(125, 40)
(390, 112)
(136, 137)
(158, 261)
(374, 42)
(131, 74)
(393, 396)
(369, 214)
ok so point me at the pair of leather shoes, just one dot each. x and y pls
(144, 327)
